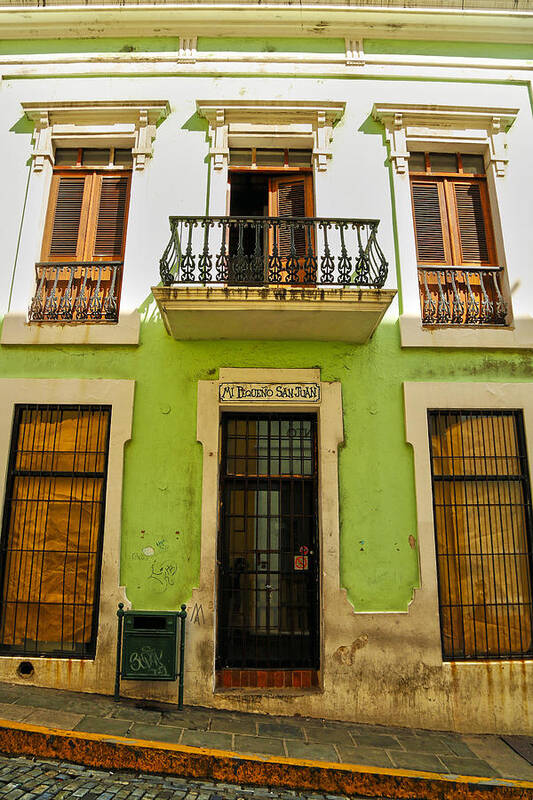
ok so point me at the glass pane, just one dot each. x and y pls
(66, 156)
(417, 162)
(443, 162)
(299, 158)
(270, 158)
(95, 157)
(240, 158)
(473, 164)
(123, 158)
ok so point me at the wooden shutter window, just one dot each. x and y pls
(289, 199)
(471, 223)
(110, 226)
(429, 209)
(87, 217)
(69, 194)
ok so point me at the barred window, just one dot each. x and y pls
(52, 530)
(482, 513)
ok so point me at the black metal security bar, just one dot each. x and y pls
(51, 544)
(483, 526)
(76, 292)
(268, 543)
(259, 251)
(462, 296)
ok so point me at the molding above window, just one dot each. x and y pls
(99, 123)
(276, 123)
(411, 126)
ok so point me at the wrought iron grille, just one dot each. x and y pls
(76, 292)
(268, 543)
(462, 296)
(52, 530)
(482, 514)
(257, 251)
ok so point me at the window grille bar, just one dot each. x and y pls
(482, 514)
(50, 553)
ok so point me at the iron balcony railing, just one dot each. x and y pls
(263, 251)
(462, 296)
(76, 292)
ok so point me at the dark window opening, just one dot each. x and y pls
(268, 543)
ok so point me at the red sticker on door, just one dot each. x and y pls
(301, 562)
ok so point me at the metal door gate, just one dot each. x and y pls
(268, 543)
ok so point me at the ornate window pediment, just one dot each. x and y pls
(276, 123)
(98, 123)
(416, 127)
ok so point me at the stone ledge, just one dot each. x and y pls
(315, 314)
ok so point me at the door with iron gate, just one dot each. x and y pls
(268, 587)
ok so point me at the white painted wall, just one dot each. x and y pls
(357, 182)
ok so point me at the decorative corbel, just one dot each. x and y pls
(323, 137)
(219, 141)
(187, 52)
(145, 137)
(398, 141)
(498, 146)
(42, 142)
(355, 54)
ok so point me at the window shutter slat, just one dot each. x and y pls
(428, 222)
(291, 203)
(111, 217)
(471, 221)
(65, 231)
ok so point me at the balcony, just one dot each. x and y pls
(308, 278)
(462, 296)
(85, 291)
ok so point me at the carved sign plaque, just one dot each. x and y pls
(269, 392)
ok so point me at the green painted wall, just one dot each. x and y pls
(163, 461)
(319, 44)
(456, 49)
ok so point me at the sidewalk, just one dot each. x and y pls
(252, 748)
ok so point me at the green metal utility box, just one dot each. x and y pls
(149, 645)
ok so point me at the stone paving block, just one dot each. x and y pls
(158, 733)
(329, 735)
(114, 727)
(424, 762)
(369, 756)
(234, 725)
(15, 712)
(42, 698)
(315, 751)
(136, 714)
(468, 766)
(184, 719)
(259, 745)
(459, 748)
(281, 730)
(51, 718)
(376, 740)
(212, 739)
(423, 744)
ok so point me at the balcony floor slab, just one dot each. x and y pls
(275, 313)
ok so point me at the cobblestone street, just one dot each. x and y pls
(24, 778)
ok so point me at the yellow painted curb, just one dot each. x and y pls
(118, 752)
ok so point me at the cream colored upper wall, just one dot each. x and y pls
(357, 182)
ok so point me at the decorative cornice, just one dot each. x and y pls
(409, 124)
(269, 19)
(100, 122)
(249, 122)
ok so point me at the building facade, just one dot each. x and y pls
(302, 406)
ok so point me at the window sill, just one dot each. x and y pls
(413, 334)
(16, 330)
